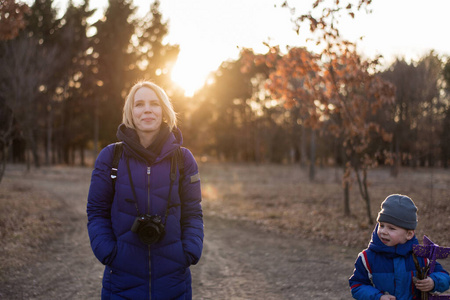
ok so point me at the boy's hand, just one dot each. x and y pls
(387, 297)
(425, 285)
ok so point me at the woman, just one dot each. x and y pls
(146, 240)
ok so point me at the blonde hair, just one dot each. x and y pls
(169, 115)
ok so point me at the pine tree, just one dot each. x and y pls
(156, 59)
(74, 84)
(42, 23)
(116, 64)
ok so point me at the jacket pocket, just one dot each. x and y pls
(181, 256)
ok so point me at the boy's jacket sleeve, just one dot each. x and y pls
(441, 278)
(360, 283)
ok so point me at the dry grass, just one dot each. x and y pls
(286, 202)
(278, 197)
(26, 222)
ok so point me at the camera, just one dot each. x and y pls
(149, 228)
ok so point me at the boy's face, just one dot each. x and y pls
(392, 235)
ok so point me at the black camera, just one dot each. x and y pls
(149, 228)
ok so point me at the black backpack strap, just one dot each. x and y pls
(118, 148)
(173, 177)
(177, 161)
(180, 161)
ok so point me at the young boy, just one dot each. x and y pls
(386, 269)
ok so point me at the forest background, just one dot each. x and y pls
(62, 89)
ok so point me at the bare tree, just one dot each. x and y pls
(26, 66)
(6, 132)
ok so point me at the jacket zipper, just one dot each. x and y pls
(149, 257)
(148, 189)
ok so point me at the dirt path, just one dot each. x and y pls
(240, 259)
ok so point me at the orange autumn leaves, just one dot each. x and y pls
(12, 18)
(337, 92)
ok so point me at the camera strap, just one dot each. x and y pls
(132, 188)
(173, 177)
(176, 158)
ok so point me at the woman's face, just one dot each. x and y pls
(147, 111)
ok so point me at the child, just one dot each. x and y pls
(386, 269)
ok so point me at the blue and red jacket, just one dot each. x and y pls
(381, 269)
(134, 270)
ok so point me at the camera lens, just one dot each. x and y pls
(149, 228)
(149, 233)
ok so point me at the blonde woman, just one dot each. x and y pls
(146, 228)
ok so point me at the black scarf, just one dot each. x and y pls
(131, 138)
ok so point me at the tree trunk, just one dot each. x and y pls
(33, 147)
(362, 184)
(303, 147)
(312, 170)
(347, 199)
(82, 162)
(96, 129)
(395, 151)
(367, 197)
(256, 145)
(27, 157)
(6, 141)
(48, 148)
(72, 155)
(3, 157)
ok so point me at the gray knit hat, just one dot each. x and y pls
(398, 210)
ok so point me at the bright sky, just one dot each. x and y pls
(212, 31)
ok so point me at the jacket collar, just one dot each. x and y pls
(377, 245)
(169, 143)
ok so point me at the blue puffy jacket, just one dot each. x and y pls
(133, 269)
(380, 269)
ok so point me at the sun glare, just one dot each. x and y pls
(189, 77)
(191, 73)
(188, 80)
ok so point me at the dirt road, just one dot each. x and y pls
(240, 260)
